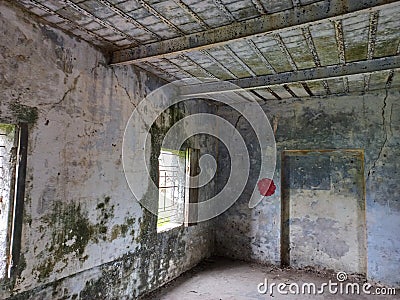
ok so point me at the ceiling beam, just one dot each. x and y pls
(272, 23)
(318, 73)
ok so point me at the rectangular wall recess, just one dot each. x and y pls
(323, 220)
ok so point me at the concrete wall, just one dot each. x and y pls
(368, 122)
(83, 232)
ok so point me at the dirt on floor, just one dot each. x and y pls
(224, 279)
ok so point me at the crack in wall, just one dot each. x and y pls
(237, 121)
(97, 65)
(67, 92)
(390, 120)
(147, 126)
(123, 87)
(236, 125)
(384, 129)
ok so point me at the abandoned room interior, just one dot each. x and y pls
(199, 149)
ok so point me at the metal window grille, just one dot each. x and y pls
(7, 133)
(171, 189)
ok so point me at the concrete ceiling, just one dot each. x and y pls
(278, 49)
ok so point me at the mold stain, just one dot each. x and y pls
(105, 213)
(123, 229)
(24, 113)
(72, 231)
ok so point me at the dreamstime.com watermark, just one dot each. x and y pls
(334, 288)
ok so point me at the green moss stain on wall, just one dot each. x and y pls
(123, 229)
(24, 113)
(105, 213)
(72, 231)
(7, 128)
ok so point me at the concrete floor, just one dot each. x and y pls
(221, 278)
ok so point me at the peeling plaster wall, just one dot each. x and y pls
(84, 235)
(370, 122)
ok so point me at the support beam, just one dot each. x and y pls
(340, 40)
(272, 23)
(373, 28)
(341, 50)
(319, 73)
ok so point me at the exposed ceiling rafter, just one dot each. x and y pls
(218, 63)
(310, 43)
(128, 18)
(259, 6)
(189, 11)
(192, 62)
(220, 5)
(261, 56)
(341, 49)
(75, 25)
(373, 28)
(163, 19)
(100, 21)
(166, 75)
(239, 61)
(285, 51)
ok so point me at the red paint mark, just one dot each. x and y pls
(266, 187)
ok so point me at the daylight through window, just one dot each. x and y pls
(171, 189)
(7, 133)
